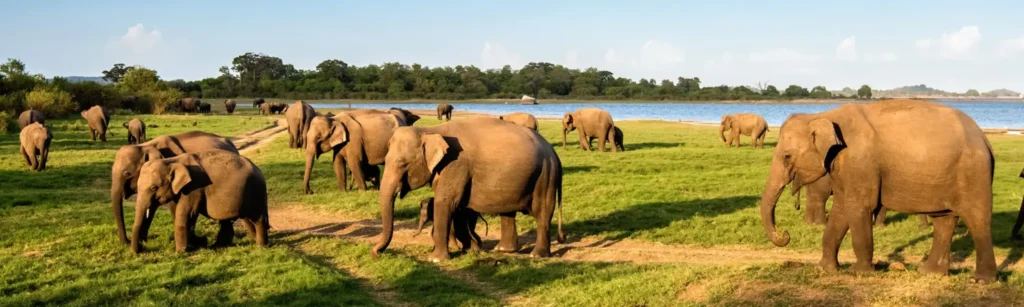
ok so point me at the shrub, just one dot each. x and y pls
(6, 122)
(157, 102)
(13, 103)
(88, 94)
(53, 103)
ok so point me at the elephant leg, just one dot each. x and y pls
(463, 226)
(448, 194)
(1015, 233)
(815, 211)
(978, 217)
(584, 143)
(859, 217)
(30, 158)
(835, 231)
(880, 217)
(250, 228)
(28, 162)
(509, 234)
(544, 199)
(261, 225)
(103, 135)
(938, 258)
(924, 222)
(601, 139)
(358, 179)
(181, 228)
(226, 234)
(339, 172)
(734, 135)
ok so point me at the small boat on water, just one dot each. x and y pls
(528, 100)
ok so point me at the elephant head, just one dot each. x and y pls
(162, 181)
(325, 134)
(807, 146)
(725, 125)
(568, 125)
(124, 176)
(408, 117)
(412, 160)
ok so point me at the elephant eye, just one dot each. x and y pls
(154, 188)
(787, 158)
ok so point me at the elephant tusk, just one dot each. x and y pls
(147, 212)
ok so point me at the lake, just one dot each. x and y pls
(986, 114)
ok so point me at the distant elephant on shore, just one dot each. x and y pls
(445, 110)
(221, 185)
(204, 108)
(35, 141)
(523, 119)
(124, 174)
(272, 108)
(99, 120)
(748, 124)
(30, 116)
(189, 105)
(618, 137)
(298, 116)
(136, 130)
(229, 106)
(256, 103)
(591, 122)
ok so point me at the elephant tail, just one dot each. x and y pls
(558, 192)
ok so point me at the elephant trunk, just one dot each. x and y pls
(116, 200)
(721, 133)
(142, 218)
(564, 132)
(310, 157)
(777, 180)
(390, 188)
(426, 214)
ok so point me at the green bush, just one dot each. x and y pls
(88, 94)
(6, 122)
(53, 103)
(13, 103)
(157, 102)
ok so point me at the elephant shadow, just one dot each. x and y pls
(963, 243)
(578, 169)
(652, 145)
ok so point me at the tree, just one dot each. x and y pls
(770, 92)
(12, 67)
(820, 92)
(795, 91)
(116, 73)
(972, 93)
(864, 92)
(139, 79)
(333, 69)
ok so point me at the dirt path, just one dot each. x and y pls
(256, 139)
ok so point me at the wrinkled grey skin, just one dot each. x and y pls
(444, 110)
(124, 174)
(229, 106)
(35, 141)
(136, 130)
(30, 116)
(221, 185)
(98, 118)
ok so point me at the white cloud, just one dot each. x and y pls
(847, 49)
(1009, 47)
(572, 58)
(953, 45)
(138, 41)
(720, 63)
(881, 57)
(495, 56)
(657, 53)
(781, 56)
(611, 56)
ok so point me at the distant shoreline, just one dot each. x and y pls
(597, 101)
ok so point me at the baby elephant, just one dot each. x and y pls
(218, 184)
(136, 131)
(35, 141)
(204, 108)
(463, 228)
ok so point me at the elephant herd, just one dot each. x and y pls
(869, 157)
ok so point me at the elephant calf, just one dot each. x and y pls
(99, 119)
(463, 228)
(229, 106)
(749, 124)
(218, 184)
(272, 108)
(136, 130)
(35, 141)
(30, 116)
(204, 108)
(618, 137)
(592, 123)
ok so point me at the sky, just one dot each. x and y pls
(949, 45)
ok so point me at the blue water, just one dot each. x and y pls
(986, 114)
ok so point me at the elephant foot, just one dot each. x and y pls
(863, 267)
(539, 252)
(935, 269)
(507, 247)
(439, 256)
(983, 278)
(1017, 237)
(829, 265)
(309, 191)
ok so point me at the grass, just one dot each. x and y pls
(675, 185)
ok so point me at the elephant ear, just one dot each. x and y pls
(825, 135)
(180, 177)
(339, 134)
(434, 149)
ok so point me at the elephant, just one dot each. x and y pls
(99, 119)
(748, 124)
(818, 193)
(886, 154)
(136, 130)
(404, 115)
(189, 105)
(256, 103)
(124, 175)
(463, 229)
(444, 110)
(618, 139)
(204, 108)
(481, 164)
(35, 141)
(129, 102)
(298, 115)
(30, 116)
(273, 107)
(592, 122)
(523, 119)
(229, 106)
(221, 185)
(1015, 233)
(357, 139)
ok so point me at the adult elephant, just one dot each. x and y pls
(591, 122)
(205, 108)
(819, 192)
(298, 115)
(358, 140)
(256, 103)
(30, 116)
(480, 164)
(189, 105)
(272, 108)
(444, 110)
(887, 154)
(520, 118)
(748, 124)
(124, 175)
(136, 130)
(404, 115)
(229, 106)
(98, 118)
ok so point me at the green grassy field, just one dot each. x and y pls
(675, 185)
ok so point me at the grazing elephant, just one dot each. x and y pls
(256, 103)
(444, 110)
(298, 116)
(273, 107)
(136, 130)
(229, 106)
(204, 108)
(124, 175)
(99, 119)
(591, 122)
(479, 164)
(30, 116)
(35, 141)
(523, 119)
(618, 139)
(887, 154)
(129, 102)
(463, 228)
(189, 105)
(819, 192)
(221, 185)
(749, 124)
(1015, 233)
(356, 139)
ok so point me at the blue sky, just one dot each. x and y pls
(944, 44)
